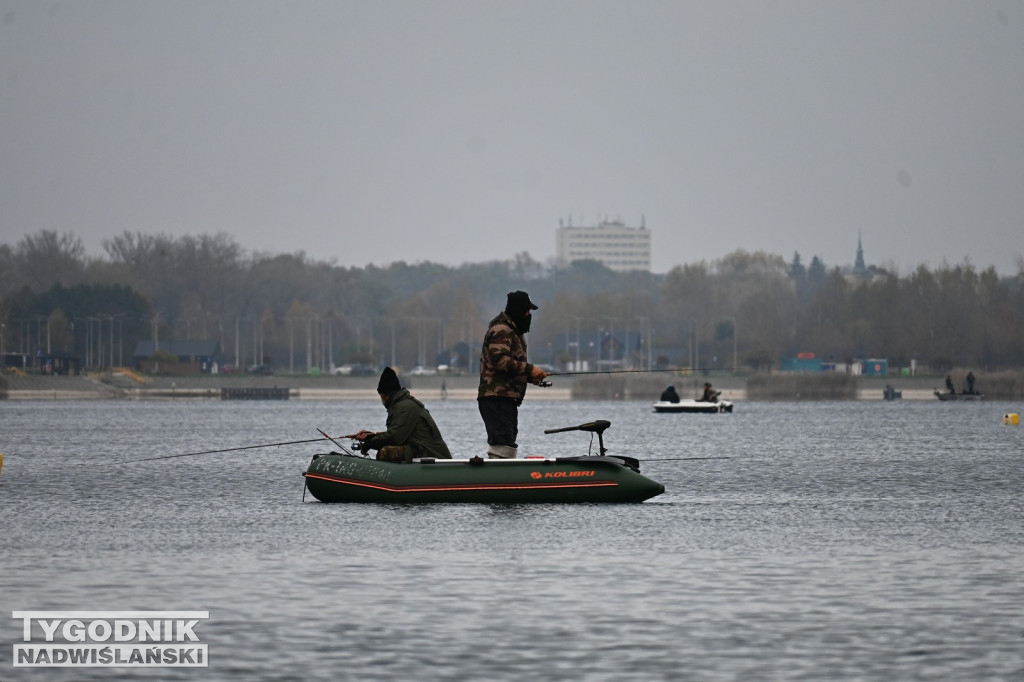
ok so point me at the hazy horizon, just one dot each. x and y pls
(454, 131)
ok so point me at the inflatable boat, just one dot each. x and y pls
(690, 405)
(350, 477)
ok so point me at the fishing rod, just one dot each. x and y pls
(640, 371)
(347, 451)
(245, 447)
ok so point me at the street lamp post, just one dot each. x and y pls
(257, 334)
(734, 337)
(650, 348)
(734, 343)
(309, 345)
(392, 342)
(611, 342)
(39, 333)
(111, 319)
(694, 348)
(88, 344)
(442, 339)
(98, 345)
(645, 330)
(99, 342)
(291, 346)
(577, 369)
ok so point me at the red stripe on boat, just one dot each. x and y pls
(467, 486)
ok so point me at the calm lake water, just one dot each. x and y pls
(838, 541)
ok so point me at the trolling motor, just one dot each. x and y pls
(597, 427)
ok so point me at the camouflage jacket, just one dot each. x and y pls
(504, 371)
(409, 423)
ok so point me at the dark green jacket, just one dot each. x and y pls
(409, 423)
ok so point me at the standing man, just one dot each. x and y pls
(504, 373)
(411, 431)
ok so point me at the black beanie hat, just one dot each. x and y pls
(388, 384)
(518, 303)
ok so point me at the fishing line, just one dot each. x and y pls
(211, 452)
(679, 459)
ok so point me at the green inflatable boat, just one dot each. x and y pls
(349, 477)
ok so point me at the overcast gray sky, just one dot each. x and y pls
(463, 131)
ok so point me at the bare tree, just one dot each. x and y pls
(47, 258)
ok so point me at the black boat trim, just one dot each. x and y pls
(608, 460)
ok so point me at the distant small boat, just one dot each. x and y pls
(891, 393)
(691, 405)
(958, 396)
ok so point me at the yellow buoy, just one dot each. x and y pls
(1, 462)
(1012, 418)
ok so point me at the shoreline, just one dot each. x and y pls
(344, 394)
(294, 394)
(119, 385)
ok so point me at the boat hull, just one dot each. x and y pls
(959, 396)
(347, 478)
(694, 406)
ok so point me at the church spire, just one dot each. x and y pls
(859, 268)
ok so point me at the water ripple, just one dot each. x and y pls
(839, 541)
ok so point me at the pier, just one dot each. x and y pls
(255, 393)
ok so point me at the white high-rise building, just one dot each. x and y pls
(618, 247)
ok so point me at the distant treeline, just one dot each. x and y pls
(292, 311)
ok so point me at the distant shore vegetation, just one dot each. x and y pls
(291, 311)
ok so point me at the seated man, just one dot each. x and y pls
(411, 431)
(710, 395)
(669, 395)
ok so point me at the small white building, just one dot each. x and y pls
(618, 247)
